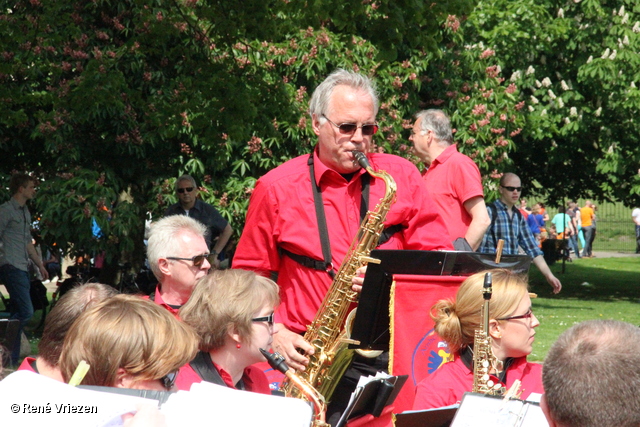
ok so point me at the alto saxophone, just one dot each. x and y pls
(327, 334)
(484, 360)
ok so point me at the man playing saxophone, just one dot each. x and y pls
(288, 209)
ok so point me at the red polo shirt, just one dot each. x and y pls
(282, 215)
(452, 179)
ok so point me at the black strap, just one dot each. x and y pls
(322, 220)
(203, 366)
(326, 265)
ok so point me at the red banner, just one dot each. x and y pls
(415, 349)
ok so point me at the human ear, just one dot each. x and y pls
(163, 266)
(315, 124)
(495, 331)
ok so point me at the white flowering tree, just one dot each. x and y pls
(576, 66)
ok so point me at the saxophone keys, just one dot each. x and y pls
(370, 260)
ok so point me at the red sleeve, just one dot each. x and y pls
(257, 249)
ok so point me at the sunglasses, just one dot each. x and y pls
(527, 315)
(508, 188)
(197, 260)
(187, 189)
(268, 319)
(169, 380)
(350, 128)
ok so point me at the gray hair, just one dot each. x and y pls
(186, 178)
(163, 239)
(321, 97)
(436, 121)
(591, 375)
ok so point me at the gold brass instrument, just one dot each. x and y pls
(326, 334)
(276, 361)
(484, 362)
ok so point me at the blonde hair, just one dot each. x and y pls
(127, 332)
(227, 300)
(456, 321)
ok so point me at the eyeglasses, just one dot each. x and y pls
(187, 189)
(508, 188)
(349, 128)
(268, 319)
(197, 260)
(169, 380)
(527, 315)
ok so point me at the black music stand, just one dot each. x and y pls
(371, 325)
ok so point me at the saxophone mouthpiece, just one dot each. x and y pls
(486, 290)
(276, 361)
(361, 158)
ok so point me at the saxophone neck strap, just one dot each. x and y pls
(326, 264)
(322, 220)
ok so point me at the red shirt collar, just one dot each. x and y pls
(320, 169)
(446, 154)
(226, 377)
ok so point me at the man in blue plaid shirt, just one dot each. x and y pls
(510, 226)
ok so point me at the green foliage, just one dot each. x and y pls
(576, 64)
(140, 92)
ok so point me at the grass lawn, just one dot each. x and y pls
(596, 288)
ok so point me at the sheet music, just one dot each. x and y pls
(486, 411)
(362, 382)
(29, 399)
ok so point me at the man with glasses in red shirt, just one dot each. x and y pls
(508, 224)
(218, 229)
(178, 256)
(291, 204)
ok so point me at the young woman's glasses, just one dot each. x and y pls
(169, 380)
(268, 319)
(197, 260)
(527, 315)
(187, 189)
(349, 128)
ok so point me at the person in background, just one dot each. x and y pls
(524, 209)
(587, 216)
(535, 222)
(591, 376)
(635, 215)
(562, 221)
(511, 330)
(573, 224)
(510, 226)
(232, 313)
(68, 308)
(16, 250)
(219, 231)
(453, 179)
(128, 342)
(178, 256)
(543, 212)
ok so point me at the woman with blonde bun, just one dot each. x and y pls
(511, 329)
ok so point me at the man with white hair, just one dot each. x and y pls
(453, 179)
(178, 256)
